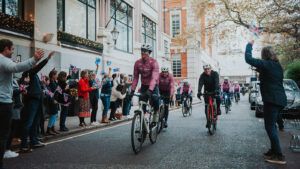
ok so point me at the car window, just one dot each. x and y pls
(290, 85)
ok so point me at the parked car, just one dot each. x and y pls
(293, 100)
(254, 92)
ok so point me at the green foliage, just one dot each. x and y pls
(293, 71)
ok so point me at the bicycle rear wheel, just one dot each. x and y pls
(137, 136)
(184, 110)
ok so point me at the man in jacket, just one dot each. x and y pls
(210, 80)
(7, 68)
(273, 96)
(32, 108)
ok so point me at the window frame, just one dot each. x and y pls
(173, 13)
(177, 66)
(145, 35)
(129, 27)
(20, 10)
(87, 6)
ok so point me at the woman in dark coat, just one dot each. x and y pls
(273, 96)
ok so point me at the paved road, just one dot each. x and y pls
(239, 143)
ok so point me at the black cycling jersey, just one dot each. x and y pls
(210, 82)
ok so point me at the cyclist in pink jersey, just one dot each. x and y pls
(147, 67)
(166, 89)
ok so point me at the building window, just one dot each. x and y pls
(121, 14)
(166, 46)
(149, 33)
(12, 7)
(175, 25)
(77, 17)
(176, 65)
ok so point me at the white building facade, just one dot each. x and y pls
(80, 31)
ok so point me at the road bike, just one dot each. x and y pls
(226, 102)
(186, 106)
(236, 97)
(142, 126)
(162, 113)
(211, 111)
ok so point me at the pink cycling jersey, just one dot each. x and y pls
(225, 87)
(166, 83)
(237, 88)
(149, 71)
(186, 89)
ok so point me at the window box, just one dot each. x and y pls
(80, 42)
(15, 24)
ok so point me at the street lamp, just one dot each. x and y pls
(115, 34)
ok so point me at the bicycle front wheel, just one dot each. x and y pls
(212, 124)
(137, 136)
(153, 133)
(161, 122)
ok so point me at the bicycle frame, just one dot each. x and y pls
(141, 105)
(211, 106)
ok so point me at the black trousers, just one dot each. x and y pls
(5, 121)
(113, 109)
(94, 105)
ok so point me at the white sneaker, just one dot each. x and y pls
(124, 117)
(10, 154)
(93, 124)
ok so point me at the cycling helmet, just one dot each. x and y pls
(185, 81)
(206, 66)
(226, 78)
(235, 82)
(165, 69)
(147, 47)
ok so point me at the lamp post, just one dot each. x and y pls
(115, 34)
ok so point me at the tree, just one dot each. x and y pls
(280, 17)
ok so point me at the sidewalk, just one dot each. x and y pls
(72, 123)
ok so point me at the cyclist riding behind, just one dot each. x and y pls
(166, 88)
(210, 80)
(186, 91)
(225, 89)
(148, 68)
(237, 89)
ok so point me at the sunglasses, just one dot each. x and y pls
(145, 51)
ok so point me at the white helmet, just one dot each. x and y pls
(226, 78)
(147, 47)
(235, 82)
(207, 66)
(185, 81)
(165, 69)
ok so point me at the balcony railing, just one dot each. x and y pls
(76, 41)
(15, 24)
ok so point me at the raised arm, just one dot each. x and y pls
(13, 67)
(250, 60)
